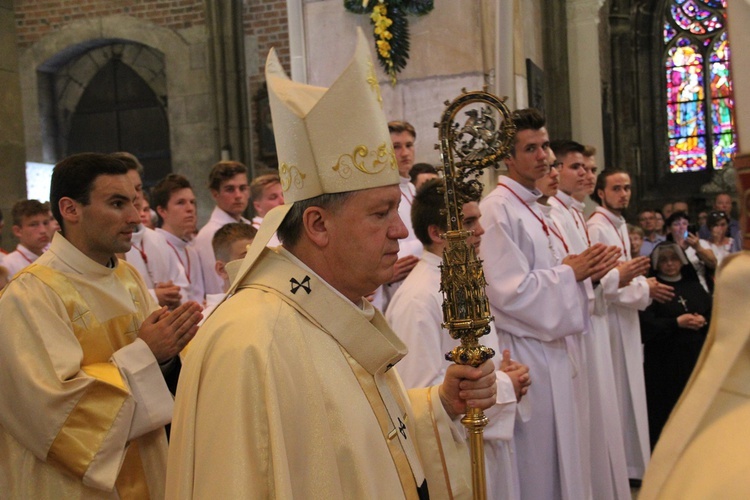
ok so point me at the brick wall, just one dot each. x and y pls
(35, 18)
(266, 20)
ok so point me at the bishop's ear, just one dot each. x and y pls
(314, 225)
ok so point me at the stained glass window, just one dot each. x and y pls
(700, 106)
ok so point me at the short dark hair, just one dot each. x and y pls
(396, 127)
(290, 230)
(74, 176)
(130, 161)
(427, 206)
(228, 234)
(676, 216)
(260, 182)
(425, 210)
(563, 147)
(526, 119)
(27, 208)
(715, 216)
(421, 168)
(223, 171)
(601, 181)
(162, 192)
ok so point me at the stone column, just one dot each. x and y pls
(12, 150)
(585, 73)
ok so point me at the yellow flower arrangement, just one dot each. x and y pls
(390, 28)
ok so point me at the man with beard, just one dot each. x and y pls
(625, 292)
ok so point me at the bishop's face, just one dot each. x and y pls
(363, 240)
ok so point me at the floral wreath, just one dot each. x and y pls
(390, 28)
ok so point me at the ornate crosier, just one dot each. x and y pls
(390, 28)
(467, 149)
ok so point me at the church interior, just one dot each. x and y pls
(179, 83)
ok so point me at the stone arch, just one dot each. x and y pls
(67, 76)
(184, 84)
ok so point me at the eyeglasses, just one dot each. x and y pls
(718, 213)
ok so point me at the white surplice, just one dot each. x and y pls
(156, 262)
(188, 259)
(609, 474)
(537, 304)
(622, 306)
(415, 314)
(18, 259)
(202, 244)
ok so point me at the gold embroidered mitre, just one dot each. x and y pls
(331, 140)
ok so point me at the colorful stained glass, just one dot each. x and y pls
(686, 118)
(683, 54)
(721, 85)
(687, 154)
(680, 18)
(697, 67)
(721, 49)
(669, 32)
(715, 4)
(713, 24)
(725, 148)
(722, 116)
(692, 10)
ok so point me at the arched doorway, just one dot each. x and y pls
(118, 111)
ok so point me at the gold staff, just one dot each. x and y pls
(466, 149)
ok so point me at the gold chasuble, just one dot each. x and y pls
(66, 407)
(289, 391)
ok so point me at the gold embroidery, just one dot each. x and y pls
(383, 157)
(290, 174)
(372, 80)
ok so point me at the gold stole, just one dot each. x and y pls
(91, 419)
(367, 383)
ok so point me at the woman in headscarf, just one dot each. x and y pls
(672, 333)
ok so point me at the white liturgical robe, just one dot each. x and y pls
(83, 399)
(289, 392)
(537, 304)
(190, 264)
(622, 306)
(202, 244)
(609, 475)
(18, 259)
(151, 256)
(415, 314)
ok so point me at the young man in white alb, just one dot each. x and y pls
(174, 201)
(230, 190)
(31, 227)
(626, 292)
